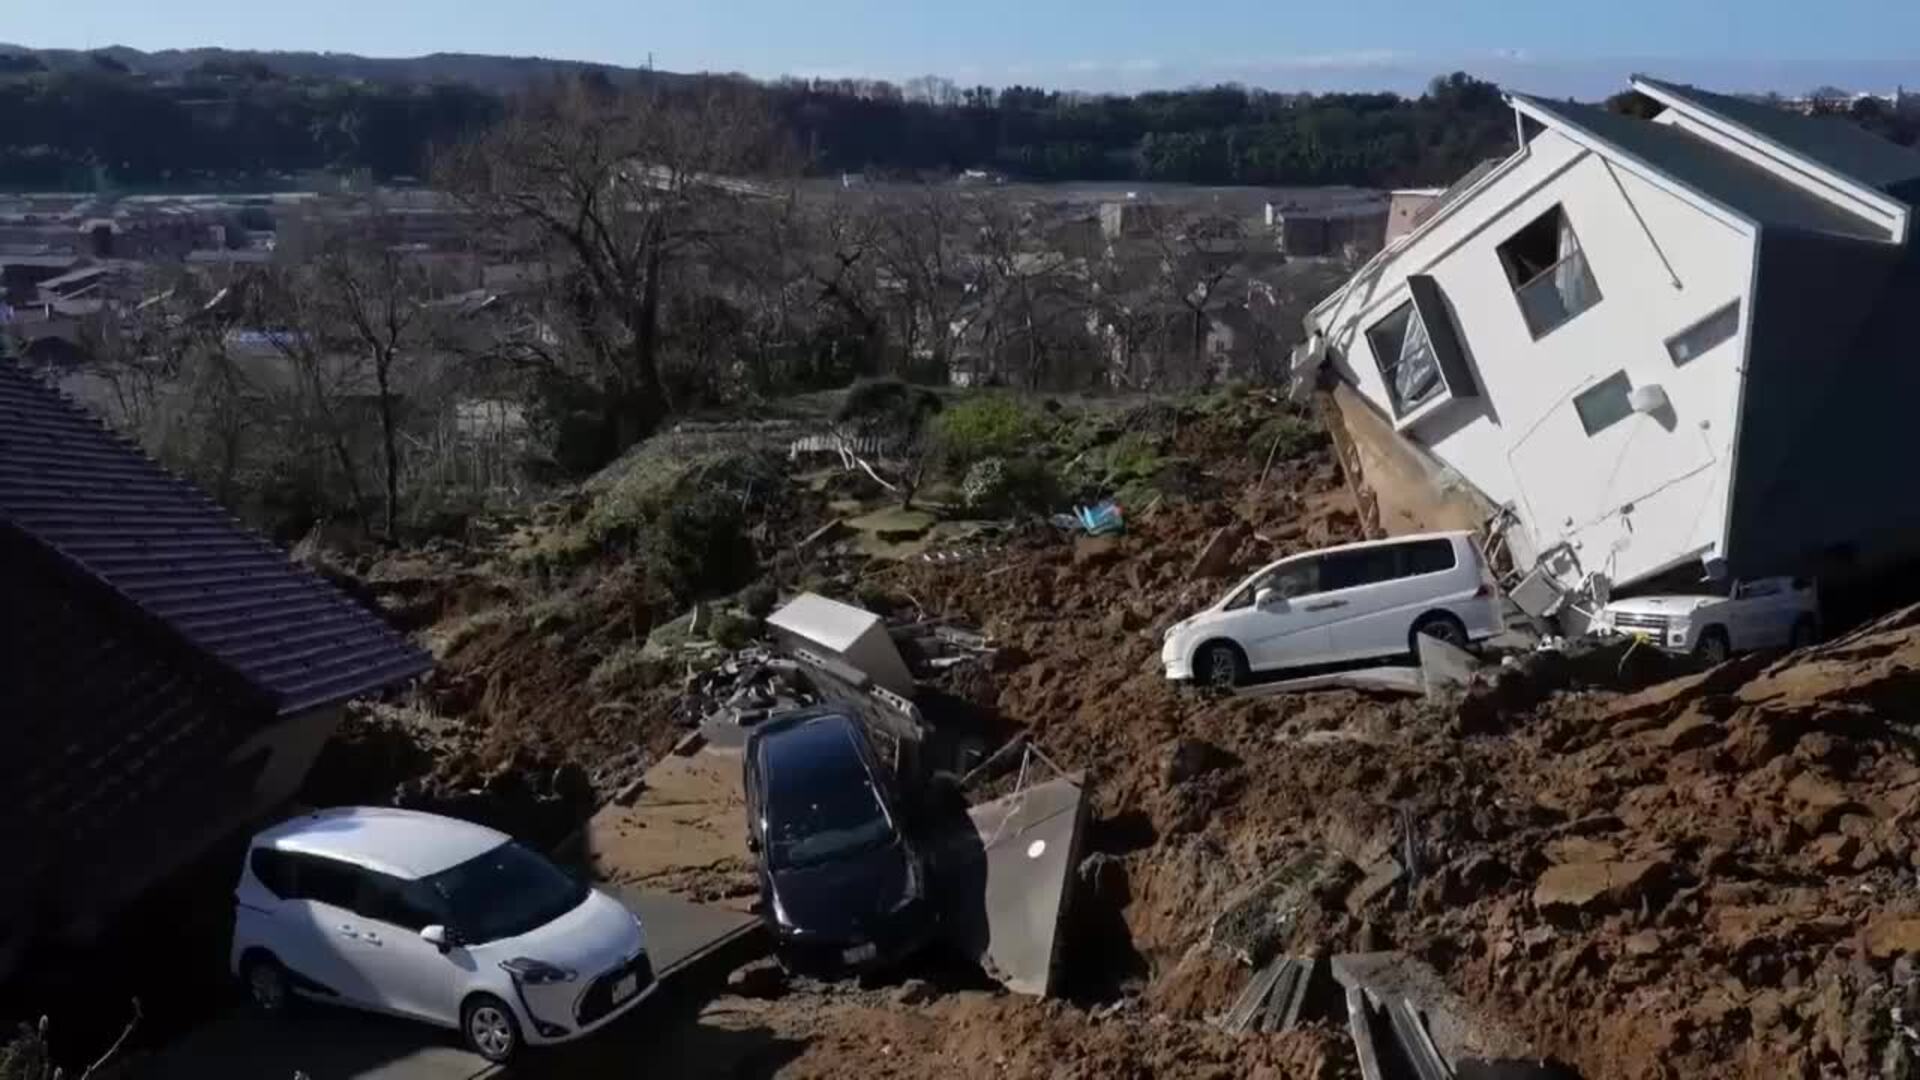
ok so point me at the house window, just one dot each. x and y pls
(1548, 272)
(1705, 334)
(1404, 351)
(1606, 404)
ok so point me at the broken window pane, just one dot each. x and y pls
(1549, 272)
(1606, 404)
(1404, 352)
(1705, 334)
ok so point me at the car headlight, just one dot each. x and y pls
(537, 972)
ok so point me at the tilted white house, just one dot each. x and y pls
(1656, 342)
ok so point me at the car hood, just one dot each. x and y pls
(598, 934)
(842, 896)
(1662, 605)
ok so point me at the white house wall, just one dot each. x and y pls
(1639, 496)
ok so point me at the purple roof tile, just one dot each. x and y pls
(159, 543)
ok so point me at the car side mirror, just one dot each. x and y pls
(438, 936)
(1269, 600)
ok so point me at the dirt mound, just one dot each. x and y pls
(974, 1034)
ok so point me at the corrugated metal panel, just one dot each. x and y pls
(91, 497)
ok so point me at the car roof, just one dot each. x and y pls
(404, 843)
(808, 740)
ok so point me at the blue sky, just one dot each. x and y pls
(1567, 47)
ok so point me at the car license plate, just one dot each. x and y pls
(860, 954)
(624, 989)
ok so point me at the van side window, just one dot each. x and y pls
(1348, 569)
(328, 881)
(409, 905)
(1428, 556)
(1299, 578)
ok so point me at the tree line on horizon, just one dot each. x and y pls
(230, 121)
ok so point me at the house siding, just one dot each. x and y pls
(1631, 496)
(122, 761)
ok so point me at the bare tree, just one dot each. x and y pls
(1202, 266)
(373, 299)
(612, 187)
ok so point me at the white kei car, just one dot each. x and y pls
(434, 919)
(1766, 613)
(1339, 607)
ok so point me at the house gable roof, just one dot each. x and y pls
(1829, 142)
(1725, 179)
(110, 513)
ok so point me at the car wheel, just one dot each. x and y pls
(266, 983)
(1445, 628)
(490, 1028)
(1221, 666)
(1805, 633)
(1713, 647)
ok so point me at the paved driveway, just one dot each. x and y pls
(690, 944)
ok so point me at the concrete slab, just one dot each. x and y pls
(1009, 881)
(685, 833)
(1444, 667)
(343, 1044)
(1393, 680)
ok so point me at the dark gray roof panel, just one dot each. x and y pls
(1839, 144)
(91, 497)
(1725, 178)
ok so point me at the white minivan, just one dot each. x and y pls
(434, 919)
(1339, 606)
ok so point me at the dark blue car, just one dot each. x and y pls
(841, 885)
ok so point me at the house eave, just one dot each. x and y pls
(1900, 212)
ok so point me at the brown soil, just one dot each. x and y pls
(1709, 877)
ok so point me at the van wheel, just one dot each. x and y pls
(1440, 626)
(1221, 665)
(1713, 647)
(266, 983)
(490, 1028)
(1805, 633)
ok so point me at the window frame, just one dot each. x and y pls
(1579, 251)
(1731, 308)
(1626, 393)
(1389, 368)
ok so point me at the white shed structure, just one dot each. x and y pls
(851, 635)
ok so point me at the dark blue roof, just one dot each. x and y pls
(1837, 143)
(162, 546)
(1726, 178)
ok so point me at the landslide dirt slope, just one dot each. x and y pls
(1712, 877)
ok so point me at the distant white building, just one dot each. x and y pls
(1644, 345)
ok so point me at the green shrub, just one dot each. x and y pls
(1133, 456)
(1002, 486)
(999, 425)
(1288, 435)
(698, 546)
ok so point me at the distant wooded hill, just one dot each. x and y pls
(216, 117)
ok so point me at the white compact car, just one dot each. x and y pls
(1340, 606)
(1766, 613)
(434, 919)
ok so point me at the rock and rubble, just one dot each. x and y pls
(1629, 868)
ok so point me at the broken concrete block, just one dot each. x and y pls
(1444, 667)
(1595, 886)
